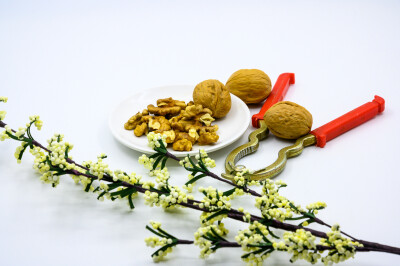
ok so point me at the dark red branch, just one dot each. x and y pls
(233, 214)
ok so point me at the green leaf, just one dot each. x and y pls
(101, 194)
(154, 155)
(216, 214)
(267, 223)
(154, 232)
(332, 252)
(157, 162)
(28, 131)
(159, 150)
(88, 185)
(209, 237)
(261, 250)
(269, 251)
(164, 161)
(229, 192)
(296, 218)
(191, 169)
(166, 234)
(271, 233)
(309, 215)
(218, 198)
(194, 179)
(114, 185)
(66, 152)
(217, 235)
(60, 173)
(293, 207)
(162, 146)
(309, 221)
(22, 151)
(164, 248)
(191, 161)
(52, 167)
(263, 236)
(123, 192)
(260, 245)
(216, 246)
(202, 165)
(12, 136)
(131, 202)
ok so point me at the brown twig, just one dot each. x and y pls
(250, 191)
(232, 213)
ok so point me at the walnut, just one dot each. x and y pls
(176, 119)
(140, 130)
(193, 133)
(169, 102)
(154, 124)
(170, 136)
(211, 129)
(166, 107)
(163, 111)
(159, 123)
(164, 123)
(288, 120)
(182, 145)
(195, 112)
(185, 125)
(184, 135)
(250, 85)
(213, 95)
(207, 138)
(195, 124)
(146, 118)
(133, 121)
(206, 119)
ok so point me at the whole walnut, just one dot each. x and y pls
(288, 120)
(250, 85)
(213, 95)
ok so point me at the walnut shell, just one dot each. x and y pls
(250, 85)
(288, 120)
(213, 95)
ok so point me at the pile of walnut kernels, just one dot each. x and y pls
(182, 124)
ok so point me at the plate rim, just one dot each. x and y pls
(208, 148)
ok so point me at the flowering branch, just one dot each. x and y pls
(241, 180)
(258, 247)
(258, 240)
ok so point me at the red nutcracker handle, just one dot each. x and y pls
(348, 121)
(277, 94)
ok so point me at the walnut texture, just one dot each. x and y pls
(288, 120)
(213, 95)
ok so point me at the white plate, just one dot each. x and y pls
(231, 127)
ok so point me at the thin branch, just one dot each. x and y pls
(232, 213)
(212, 175)
(250, 191)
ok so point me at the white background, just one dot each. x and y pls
(71, 62)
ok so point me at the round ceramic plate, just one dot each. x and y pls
(231, 127)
